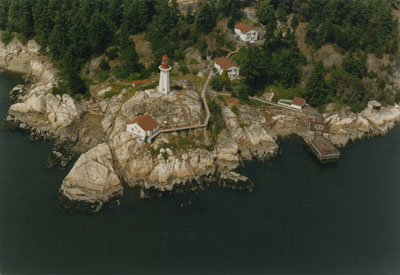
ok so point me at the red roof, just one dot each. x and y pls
(146, 122)
(299, 101)
(164, 62)
(225, 63)
(234, 100)
(244, 28)
(138, 82)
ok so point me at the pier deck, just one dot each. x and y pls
(324, 149)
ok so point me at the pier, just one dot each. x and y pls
(323, 149)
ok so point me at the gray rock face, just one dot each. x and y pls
(92, 181)
(345, 126)
(35, 107)
(235, 181)
(252, 139)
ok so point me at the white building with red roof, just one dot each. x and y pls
(298, 103)
(142, 126)
(246, 32)
(231, 67)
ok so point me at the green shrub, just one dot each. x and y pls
(372, 74)
(217, 122)
(112, 53)
(355, 66)
(183, 68)
(381, 83)
(235, 110)
(104, 65)
(110, 94)
(102, 75)
(6, 37)
(397, 97)
(57, 91)
(177, 87)
(118, 72)
(22, 38)
(216, 83)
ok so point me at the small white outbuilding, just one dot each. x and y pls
(298, 103)
(142, 126)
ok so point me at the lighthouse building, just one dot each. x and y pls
(164, 86)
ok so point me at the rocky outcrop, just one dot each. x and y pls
(36, 110)
(252, 139)
(235, 181)
(92, 182)
(345, 126)
(162, 171)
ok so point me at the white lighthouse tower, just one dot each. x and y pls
(163, 86)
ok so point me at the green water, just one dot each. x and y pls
(301, 218)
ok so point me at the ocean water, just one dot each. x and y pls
(302, 217)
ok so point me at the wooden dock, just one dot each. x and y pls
(323, 149)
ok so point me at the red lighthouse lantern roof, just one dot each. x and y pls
(164, 62)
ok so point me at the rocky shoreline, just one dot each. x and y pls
(174, 163)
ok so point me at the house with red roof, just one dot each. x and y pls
(223, 63)
(246, 32)
(142, 126)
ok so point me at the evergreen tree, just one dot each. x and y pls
(164, 20)
(266, 16)
(58, 39)
(114, 12)
(4, 4)
(135, 17)
(189, 18)
(43, 16)
(285, 66)
(254, 68)
(99, 33)
(78, 37)
(229, 8)
(206, 19)
(129, 58)
(354, 66)
(21, 20)
(317, 89)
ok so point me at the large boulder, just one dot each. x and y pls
(91, 182)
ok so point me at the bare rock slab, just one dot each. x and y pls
(92, 182)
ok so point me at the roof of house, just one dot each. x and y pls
(138, 82)
(225, 63)
(244, 28)
(145, 122)
(299, 101)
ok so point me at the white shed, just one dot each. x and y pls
(298, 103)
(142, 126)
